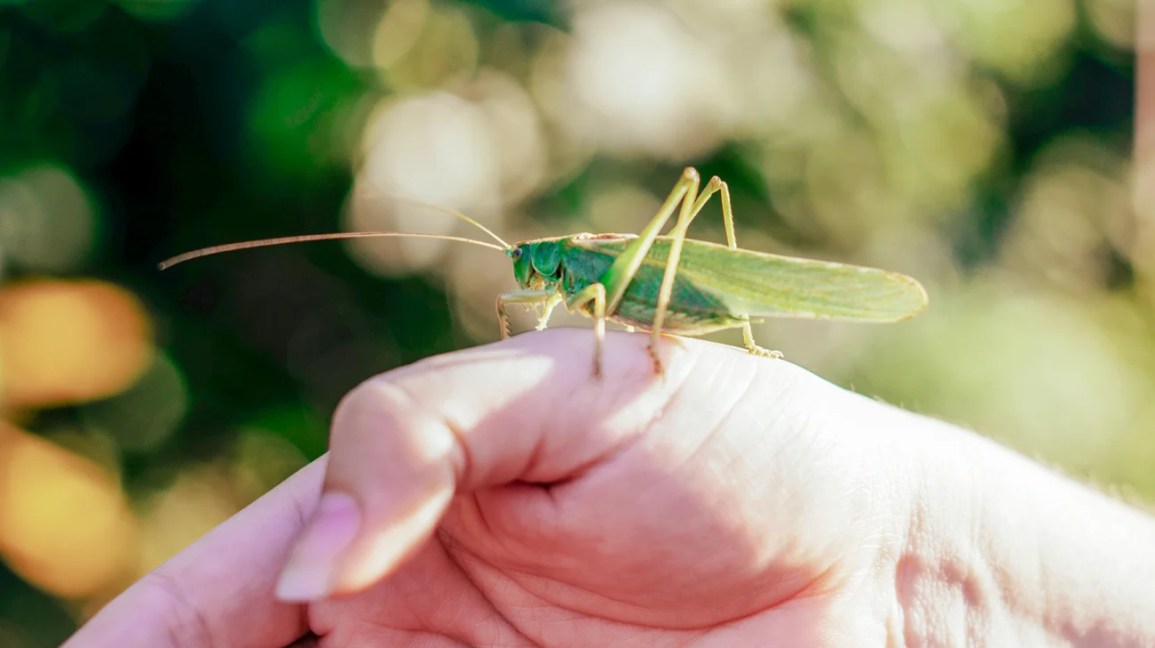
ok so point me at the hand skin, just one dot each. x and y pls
(501, 496)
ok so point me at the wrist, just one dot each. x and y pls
(1002, 551)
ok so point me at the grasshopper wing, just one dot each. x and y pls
(758, 284)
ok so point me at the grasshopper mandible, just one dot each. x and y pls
(670, 284)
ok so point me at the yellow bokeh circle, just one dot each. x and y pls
(64, 523)
(64, 342)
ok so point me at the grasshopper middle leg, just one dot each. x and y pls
(594, 293)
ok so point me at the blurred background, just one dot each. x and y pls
(983, 146)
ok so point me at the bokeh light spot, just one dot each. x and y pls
(421, 45)
(645, 86)
(47, 221)
(1053, 380)
(261, 460)
(199, 499)
(1114, 20)
(148, 412)
(1020, 38)
(1073, 210)
(438, 149)
(64, 342)
(347, 27)
(64, 523)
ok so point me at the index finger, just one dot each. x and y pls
(219, 591)
(527, 409)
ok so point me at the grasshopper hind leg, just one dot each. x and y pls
(752, 346)
(732, 243)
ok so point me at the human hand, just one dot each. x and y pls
(500, 496)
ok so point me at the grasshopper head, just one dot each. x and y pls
(522, 257)
(536, 264)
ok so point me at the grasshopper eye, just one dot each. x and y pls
(516, 254)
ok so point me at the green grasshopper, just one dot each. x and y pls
(671, 284)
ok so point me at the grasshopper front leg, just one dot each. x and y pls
(547, 310)
(549, 298)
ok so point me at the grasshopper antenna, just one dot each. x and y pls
(456, 214)
(305, 238)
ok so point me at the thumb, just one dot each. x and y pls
(403, 443)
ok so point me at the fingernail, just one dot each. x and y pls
(312, 564)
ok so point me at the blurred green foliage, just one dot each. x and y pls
(980, 146)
